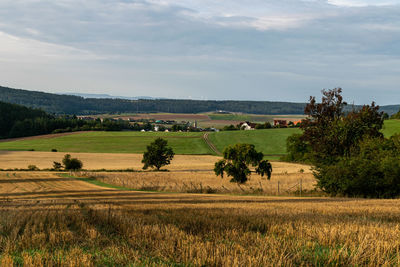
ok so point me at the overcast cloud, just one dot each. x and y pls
(203, 49)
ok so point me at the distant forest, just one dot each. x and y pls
(19, 121)
(68, 104)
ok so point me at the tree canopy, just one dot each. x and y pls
(237, 159)
(158, 154)
(350, 155)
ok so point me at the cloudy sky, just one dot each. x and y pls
(204, 49)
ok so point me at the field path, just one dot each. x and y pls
(211, 145)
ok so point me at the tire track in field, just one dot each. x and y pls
(211, 145)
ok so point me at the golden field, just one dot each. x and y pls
(192, 174)
(95, 161)
(48, 220)
(289, 183)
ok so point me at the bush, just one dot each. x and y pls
(230, 128)
(266, 125)
(72, 163)
(57, 166)
(33, 168)
(297, 149)
(373, 170)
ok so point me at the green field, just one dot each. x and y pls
(113, 142)
(391, 127)
(270, 142)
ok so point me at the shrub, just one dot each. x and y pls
(57, 166)
(71, 163)
(297, 149)
(33, 168)
(372, 171)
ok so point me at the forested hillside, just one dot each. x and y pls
(68, 104)
(19, 121)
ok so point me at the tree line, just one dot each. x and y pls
(20, 121)
(69, 104)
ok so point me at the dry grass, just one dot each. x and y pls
(207, 182)
(93, 161)
(50, 221)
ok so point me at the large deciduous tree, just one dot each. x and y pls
(350, 155)
(237, 159)
(158, 154)
(332, 133)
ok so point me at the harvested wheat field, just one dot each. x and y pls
(95, 161)
(285, 180)
(48, 220)
(115, 161)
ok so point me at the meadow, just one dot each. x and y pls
(48, 220)
(113, 142)
(391, 127)
(272, 142)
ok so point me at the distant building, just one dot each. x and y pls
(247, 125)
(156, 128)
(285, 121)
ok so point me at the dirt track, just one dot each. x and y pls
(210, 144)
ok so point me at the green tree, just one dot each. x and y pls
(297, 149)
(350, 155)
(71, 163)
(372, 171)
(237, 159)
(331, 133)
(158, 154)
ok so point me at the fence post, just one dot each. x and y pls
(278, 188)
(301, 187)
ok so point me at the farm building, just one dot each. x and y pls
(286, 121)
(247, 125)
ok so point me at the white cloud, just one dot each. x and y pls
(363, 3)
(260, 49)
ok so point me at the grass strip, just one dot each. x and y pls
(96, 182)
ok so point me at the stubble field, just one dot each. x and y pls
(50, 220)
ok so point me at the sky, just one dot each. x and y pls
(272, 50)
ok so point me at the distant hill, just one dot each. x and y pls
(110, 96)
(70, 104)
